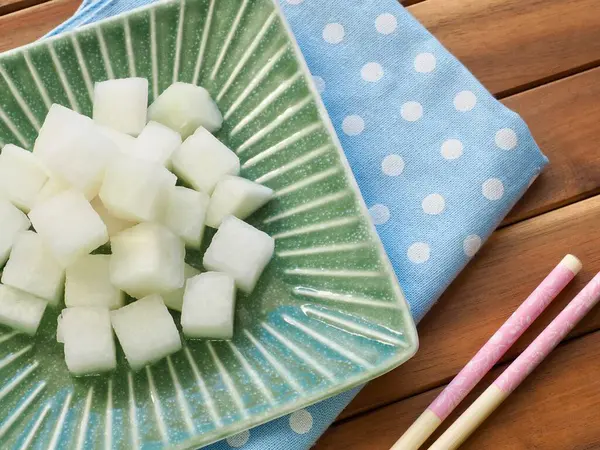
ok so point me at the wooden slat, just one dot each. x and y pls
(9, 6)
(563, 117)
(507, 269)
(29, 24)
(512, 44)
(556, 408)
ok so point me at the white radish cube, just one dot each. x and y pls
(113, 224)
(185, 214)
(235, 196)
(50, 189)
(88, 283)
(32, 268)
(174, 299)
(147, 259)
(202, 160)
(22, 176)
(156, 143)
(136, 190)
(69, 226)
(20, 310)
(81, 160)
(146, 331)
(122, 104)
(240, 250)
(12, 222)
(122, 141)
(184, 107)
(60, 124)
(208, 306)
(89, 342)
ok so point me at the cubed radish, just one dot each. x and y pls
(146, 331)
(32, 268)
(136, 190)
(240, 250)
(156, 143)
(185, 214)
(184, 107)
(12, 222)
(122, 104)
(123, 141)
(81, 160)
(174, 299)
(88, 337)
(202, 160)
(22, 176)
(113, 224)
(60, 124)
(235, 196)
(69, 226)
(88, 283)
(20, 310)
(208, 306)
(50, 189)
(147, 259)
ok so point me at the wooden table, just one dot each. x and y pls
(542, 59)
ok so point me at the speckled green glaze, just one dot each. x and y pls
(327, 314)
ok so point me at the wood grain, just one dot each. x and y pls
(27, 25)
(511, 45)
(563, 117)
(510, 265)
(9, 6)
(556, 408)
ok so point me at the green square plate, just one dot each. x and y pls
(328, 313)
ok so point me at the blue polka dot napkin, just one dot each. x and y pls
(439, 161)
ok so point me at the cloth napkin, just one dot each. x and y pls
(438, 160)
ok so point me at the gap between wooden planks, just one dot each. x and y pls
(9, 6)
(508, 268)
(556, 408)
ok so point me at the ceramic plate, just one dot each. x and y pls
(328, 313)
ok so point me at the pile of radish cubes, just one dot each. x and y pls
(113, 179)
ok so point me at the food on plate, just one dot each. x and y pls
(87, 335)
(209, 306)
(236, 196)
(146, 331)
(32, 268)
(87, 283)
(114, 180)
(240, 250)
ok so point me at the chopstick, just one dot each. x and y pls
(489, 354)
(520, 368)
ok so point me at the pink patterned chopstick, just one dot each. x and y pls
(520, 368)
(489, 354)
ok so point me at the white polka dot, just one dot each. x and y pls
(392, 165)
(353, 125)
(465, 101)
(301, 421)
(319, 83)
(433, 204)
(238, 440)
(294, 2)
(412, 111)
(492, 189)
(418, 252)
(386, 23)
(471, 244)
(425, 62)
(506, 138)
(371, 71)
(452, 149)
(380, 214)
(333, 33)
